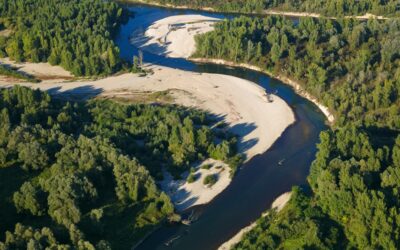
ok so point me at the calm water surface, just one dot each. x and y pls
(260, 180)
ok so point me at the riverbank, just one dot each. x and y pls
(267, 12)
(278, 204)
(241, 104)
(297, 87)
(165, 41)
(41, 71)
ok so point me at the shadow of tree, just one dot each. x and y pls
(76, 94)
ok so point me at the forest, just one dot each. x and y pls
(335, 8)
(72, 33)
(353, 68)
(82, 175)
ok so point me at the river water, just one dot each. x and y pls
(261, 179)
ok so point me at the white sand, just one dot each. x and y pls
(240, 103)
(366, 16)
(297, 87)
(174, 36)
(185, 195)
(278, 204)
(39, 70)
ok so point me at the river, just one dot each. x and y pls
(261, 179)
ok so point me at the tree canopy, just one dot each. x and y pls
(74, 34)
(83, 175)
(353, 68)
(331, 8)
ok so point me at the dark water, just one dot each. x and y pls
(260, 180)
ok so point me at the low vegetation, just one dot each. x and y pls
(210, 180)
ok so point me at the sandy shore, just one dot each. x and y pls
(180, 43)
(185, 195)
(366, 16)
(325, 110)
(267, 12)
(43, 71)
(278, 204)
(240, 103)
(174, 36)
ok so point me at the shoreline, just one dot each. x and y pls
(229, 98)
(295, 85)
(279, 203)
(266, 12)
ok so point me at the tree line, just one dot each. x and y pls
(330, 8)
(353, 68)
(78, 35)
(83, 175)
(350, 66)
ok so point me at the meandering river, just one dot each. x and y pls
(261, 179)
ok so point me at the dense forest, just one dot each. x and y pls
(325, 7)
(350, 66)
(72, 33)
(353, 68)
(83, 174)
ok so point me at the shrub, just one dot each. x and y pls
(210, 180)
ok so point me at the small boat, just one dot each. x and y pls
(280, 163)
(189, 220)
(171, 241)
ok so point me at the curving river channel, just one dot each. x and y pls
(261, 179)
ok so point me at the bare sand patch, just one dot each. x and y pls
(240, 103)
(43, 71)
(174, 36)
(185, 195)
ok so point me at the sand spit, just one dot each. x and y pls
(174, 36)
(242, 104)
(297, 87)
(257, 120)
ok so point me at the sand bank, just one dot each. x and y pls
(297, 87)
(161, 35)
(185, 195)
(278, 204)
(43, 71)
(366, 16)
(174, 36)
(267, 12)
(240, 103)
(243, 105)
